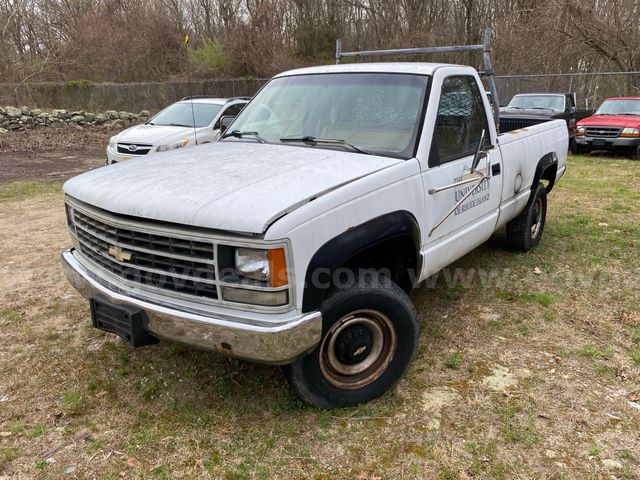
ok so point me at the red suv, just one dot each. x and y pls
(614, 126)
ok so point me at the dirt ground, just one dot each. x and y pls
(530, 371)
(51, 153)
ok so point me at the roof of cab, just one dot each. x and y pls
(416, 68)
(215, 101)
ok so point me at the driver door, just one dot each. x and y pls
(462, 206)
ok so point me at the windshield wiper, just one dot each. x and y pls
(149, 123)
(311, 140)
(628, 113)
(514, 107)
(180, 125)
(240, 134)
(543, 108)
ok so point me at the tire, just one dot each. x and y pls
(573, 146)
(581, 150)
(525, 231)
(634, 152)
(370, 336)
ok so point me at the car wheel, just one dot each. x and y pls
(574, 148)
(634, 152)
(525, 231)
(370, 336)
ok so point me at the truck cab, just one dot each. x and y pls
(295, 239)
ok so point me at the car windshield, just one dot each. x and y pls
(368, 112)
(547, 102)
(180, 114)
(619, 107)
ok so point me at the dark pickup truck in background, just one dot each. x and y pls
(528, 109)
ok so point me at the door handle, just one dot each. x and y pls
(495, 169)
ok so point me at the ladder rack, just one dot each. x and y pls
(484, 47)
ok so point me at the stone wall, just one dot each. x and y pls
(13, 118)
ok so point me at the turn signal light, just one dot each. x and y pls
(277, 267)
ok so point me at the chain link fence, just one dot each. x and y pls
(590, 88)
(131, 97)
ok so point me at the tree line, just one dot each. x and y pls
(141, 40)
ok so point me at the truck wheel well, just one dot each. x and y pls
(395, 257)
(546, 171)
(389, 243)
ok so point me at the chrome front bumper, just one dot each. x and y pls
(267, 341)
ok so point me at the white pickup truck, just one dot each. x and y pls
(297, 238)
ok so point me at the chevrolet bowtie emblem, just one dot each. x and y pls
(120, 254)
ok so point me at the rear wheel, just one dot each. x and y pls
(634, 152)
(370, 335)
(525, 231)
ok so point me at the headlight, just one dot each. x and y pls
(112, 142)
(262, 265)
(579, 130)
(173, 146)
(252, 263)
(630, 132)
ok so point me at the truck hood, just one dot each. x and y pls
(154, 134)
(233, 186)
(611, 121)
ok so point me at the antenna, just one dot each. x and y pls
(193, 114)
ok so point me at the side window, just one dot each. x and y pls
(460, 121)
(570, 103)
(232, 110)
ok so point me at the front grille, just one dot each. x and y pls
(508, 124)
(161, 262)
(134, 148)
(602, 132)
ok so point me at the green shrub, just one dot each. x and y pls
(208, 58)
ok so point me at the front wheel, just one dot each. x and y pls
(525, 231)
(634, 152)
(370, 335)
(573, 146)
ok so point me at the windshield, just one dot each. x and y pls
(180, 114)
(619, 107)
(547, 102)
(372, 112)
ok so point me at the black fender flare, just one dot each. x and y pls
(348, 244)
(550, 160)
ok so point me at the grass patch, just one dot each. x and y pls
(13, 191)
(454, 361)
(516, 429)
(634, 355)
(75, 402)
(540, 298)
(595, 353)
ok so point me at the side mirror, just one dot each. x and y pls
(573, 109)
(225, 121)
(478, 156)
